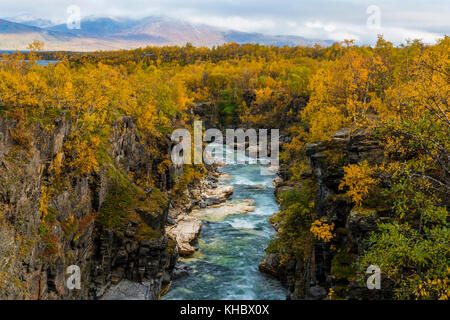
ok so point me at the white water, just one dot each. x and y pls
(226, 265)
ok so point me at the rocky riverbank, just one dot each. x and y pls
(184, 227)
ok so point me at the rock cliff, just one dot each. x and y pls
(332, 265)
(103, 222)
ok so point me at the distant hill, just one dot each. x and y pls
(97, 27)
(30, 20)
(278, 40)
(8, 27)
(109, 33)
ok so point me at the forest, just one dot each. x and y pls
(398, 95)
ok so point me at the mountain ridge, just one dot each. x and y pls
(110, 33)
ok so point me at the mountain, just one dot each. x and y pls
(111, 33)
(17, 36)
(8, 27)
(97, 27)
(278, 40)
(30, 20)
(173, 31)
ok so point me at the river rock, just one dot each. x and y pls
(277, 180)
(219, 194)
(212, 201)
(220, 212)
(181, 270)
(183, 228)
(271, 265)
(184, 232)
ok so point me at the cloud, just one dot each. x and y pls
(235, 22)
(362, 33)
(325, 19)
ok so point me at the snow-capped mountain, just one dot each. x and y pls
(106, 33)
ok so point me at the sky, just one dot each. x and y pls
(320, 19)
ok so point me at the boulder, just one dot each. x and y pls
(221, 211)
(181, 270)
(184, 232)
(219, 194)
(277, 180)
(271, 265)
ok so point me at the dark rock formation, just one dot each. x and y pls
(311, 279)
(34, 256)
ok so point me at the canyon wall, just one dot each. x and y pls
(326, 265)
(102, 222)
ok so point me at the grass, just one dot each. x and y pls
(145, 232)
(120, 205)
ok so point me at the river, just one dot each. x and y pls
(43, 63)
(226, 264)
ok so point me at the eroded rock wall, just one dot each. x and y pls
(34, 255)
(332, 265)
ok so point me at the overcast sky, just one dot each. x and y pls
(332, 19)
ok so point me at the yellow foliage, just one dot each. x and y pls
(358, 179)
(36, 45)
(433, 288)
(57, 163)
(322, 230)
(84, 159)
(43, 202)
(330, 294)
(164, 166)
